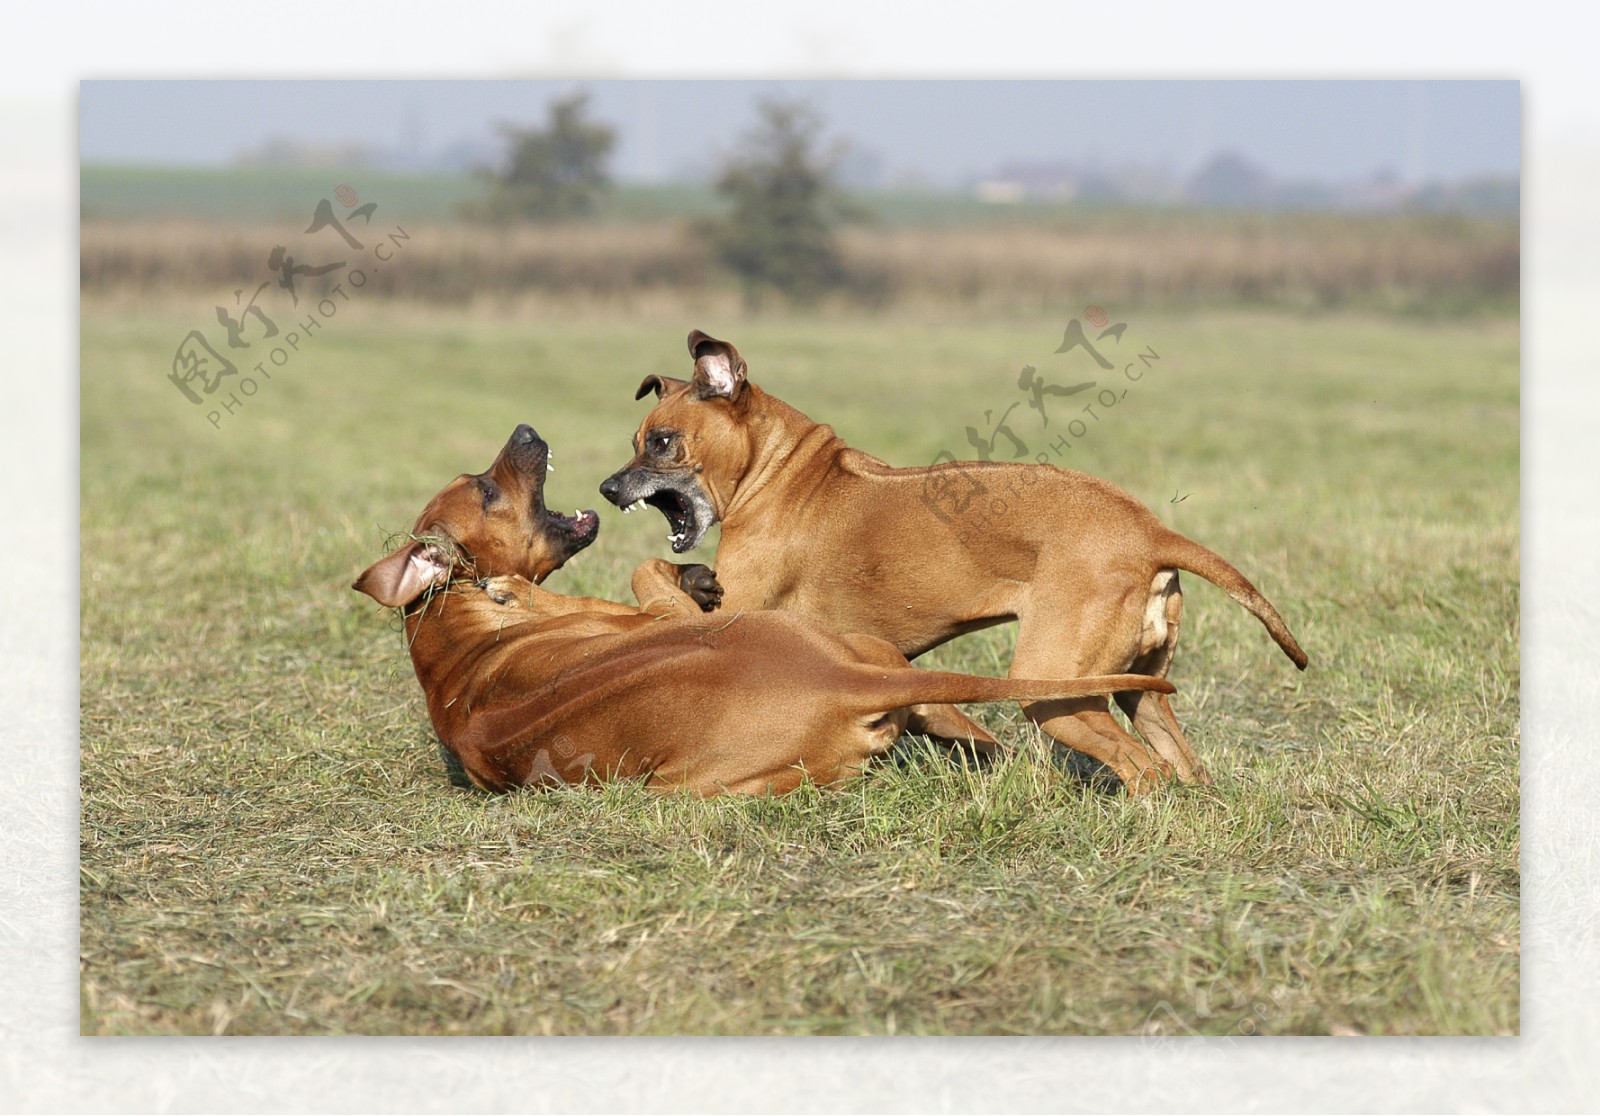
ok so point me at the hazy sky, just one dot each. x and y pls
(946, 132)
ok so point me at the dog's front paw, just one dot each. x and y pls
(502, 590)
(700, 582)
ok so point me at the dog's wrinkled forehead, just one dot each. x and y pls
(678, 409)
(448, 508)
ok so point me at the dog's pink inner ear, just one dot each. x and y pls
(403, 576)
(720, 371)
(717, 364)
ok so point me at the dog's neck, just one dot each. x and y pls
(467, 603)
(787, 438)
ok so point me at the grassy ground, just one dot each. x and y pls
(269, 843)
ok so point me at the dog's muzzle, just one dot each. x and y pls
(678, 497)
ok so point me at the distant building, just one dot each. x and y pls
(1124, 184)
(1383, 190)
(1019, 182)
(279, 152)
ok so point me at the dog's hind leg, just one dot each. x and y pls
(954, 729)
(1104, 642)
(944, 723)
(1151, 713)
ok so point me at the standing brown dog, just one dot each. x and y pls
(527, 687)
(811, 525)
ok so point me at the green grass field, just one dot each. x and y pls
(269, 844)
(253, 194)
(237, 193)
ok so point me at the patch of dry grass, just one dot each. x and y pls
(1433, 264)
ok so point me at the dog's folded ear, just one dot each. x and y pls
(405, 575)
(718, 368)
(658, 384)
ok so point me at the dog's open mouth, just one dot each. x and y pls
(580, 527)
(680, 518)
(686, 526)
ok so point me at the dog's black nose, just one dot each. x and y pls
(523, 434)
(610, 487)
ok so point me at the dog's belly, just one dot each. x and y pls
(917, 643)
(914, 623)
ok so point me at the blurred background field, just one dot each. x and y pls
(268, 841)
(165, 230)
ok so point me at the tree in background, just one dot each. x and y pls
(552, 173)
(786, 206)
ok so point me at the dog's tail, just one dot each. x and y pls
(1186, 554)
(896, 689)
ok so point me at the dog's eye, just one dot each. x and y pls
(490, 490)
(658, 443)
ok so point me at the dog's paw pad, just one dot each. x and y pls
(700, 582)
(501, 591)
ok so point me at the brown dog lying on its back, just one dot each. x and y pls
(527, 687)
(914, 556)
